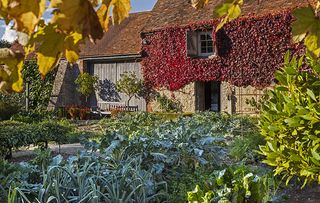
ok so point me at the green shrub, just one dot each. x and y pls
(7, 110)
(236, 184)
(290, 121)
(244, 147)
(168, 105)
(33, 116)
(14, 134)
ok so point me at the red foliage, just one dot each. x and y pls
(250, 49)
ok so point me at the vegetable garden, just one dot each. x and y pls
(145, 157)
(148, 157)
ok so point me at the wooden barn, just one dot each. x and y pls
(117, 52)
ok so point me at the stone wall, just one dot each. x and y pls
(64, 89)
(185, 96)
(233, 100)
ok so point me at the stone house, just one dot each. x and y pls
(175, 49)
(184, 57)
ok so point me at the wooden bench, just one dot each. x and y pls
(109, 106)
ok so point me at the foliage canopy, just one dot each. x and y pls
(290, 121)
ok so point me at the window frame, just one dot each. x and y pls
(207, 54)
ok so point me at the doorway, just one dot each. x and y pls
(212, 96)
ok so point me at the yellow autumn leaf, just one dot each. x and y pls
(120, 11)
(199, 3)
(95, 3)
(26, 14)
(11, 71)
(230, 9)
(72, 47)
(50, 47)
(103, 14)
(4, 9)
(76, 16)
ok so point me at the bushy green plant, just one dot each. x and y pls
(130, 85)
(87, 84)
(33, 116)
(167, 104)
(236, 184)
(290, 121)
(14, 134)
(177, 151)
(42, 158)
(39, 88)
(88, 178)
(244, 148)
(51, 130)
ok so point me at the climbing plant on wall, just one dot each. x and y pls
(250, 49)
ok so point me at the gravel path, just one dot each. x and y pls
(65, 150)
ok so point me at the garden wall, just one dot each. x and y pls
(185, 96)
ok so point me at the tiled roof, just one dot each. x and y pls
(123, 39)
(180, 12)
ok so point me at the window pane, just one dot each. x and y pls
(210, 50)
(209, 37)
(203, 44)
(210, 43)
(203, 50)
(202, 37)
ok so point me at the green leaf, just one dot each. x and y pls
(311, 95)
(293, 122)
(315, 154)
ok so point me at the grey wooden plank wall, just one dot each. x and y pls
(108, 74)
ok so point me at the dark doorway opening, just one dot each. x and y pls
(212, 96)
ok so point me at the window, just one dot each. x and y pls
(200, 44)
(205, 46)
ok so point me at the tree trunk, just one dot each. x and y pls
(130, 97)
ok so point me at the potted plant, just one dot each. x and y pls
(83, 113)
(130, 85)
(73, 111)
(87, 84)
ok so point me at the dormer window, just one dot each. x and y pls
(200, 44)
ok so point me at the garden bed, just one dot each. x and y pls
(154, 158)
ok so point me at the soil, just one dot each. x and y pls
(309, 194)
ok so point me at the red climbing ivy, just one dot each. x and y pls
(250, 49)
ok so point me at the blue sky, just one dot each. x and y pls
(142, 5)
(137, 6)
